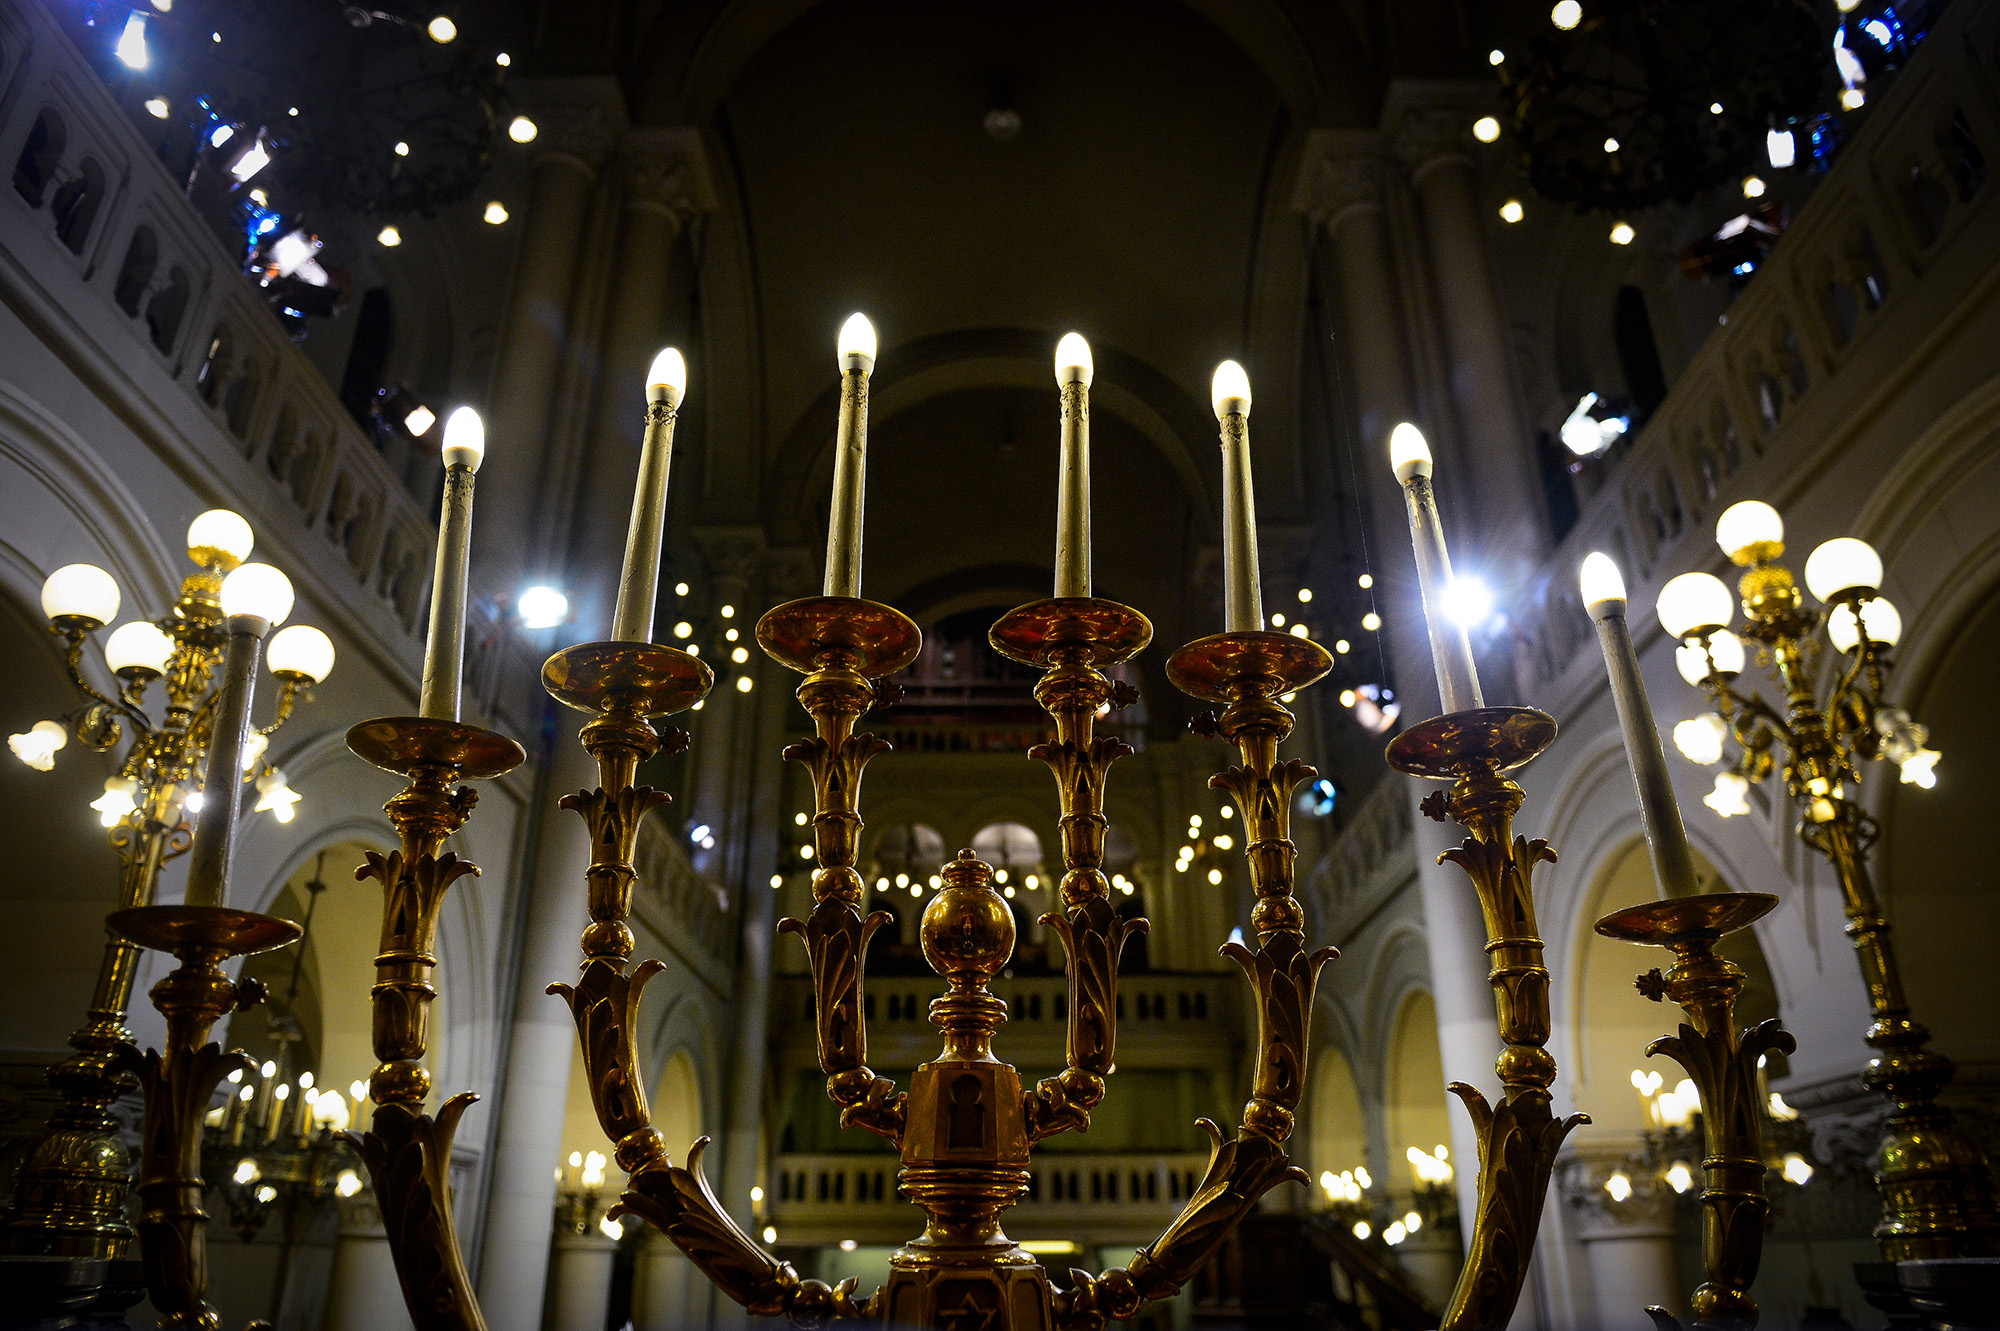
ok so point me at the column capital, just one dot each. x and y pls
(1646, 1211)
(1342, 171)
(1428, 122)
(734, 554)
(664, 170)
(579, 119)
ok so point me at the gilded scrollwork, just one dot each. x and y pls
(408, 1155)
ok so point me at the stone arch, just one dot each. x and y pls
(1413, 1075)
(1336, 1127)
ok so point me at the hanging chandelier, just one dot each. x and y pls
(1624, 104)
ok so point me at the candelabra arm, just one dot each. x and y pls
(1245, 671)
(177, 1084)
(126, 709)
(289, 688)
(836, 934)
(678, 1202)
(1722, 1063)
(1071, 638)
(406, 1150)
(1519, 1135)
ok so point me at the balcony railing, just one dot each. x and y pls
(1893, 246)
(1172, 1006)
(826, 1198)
(101, 250)
(1878, 258)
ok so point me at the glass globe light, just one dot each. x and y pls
(83, 593)
(1843, 565)
(300, 650)
(260, 590)
(138, 648)
(1700, 738)
(1876, 615)
(1744, 528)
(1693, 602)
(219, 537)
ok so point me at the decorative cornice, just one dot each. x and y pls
(1428, 122)
(1341, 172)
(664, 170)
(1648, 1210)
(580, 120)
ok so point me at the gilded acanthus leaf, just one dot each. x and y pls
(605, 1005)
(1518, 1141)
(408, 1156)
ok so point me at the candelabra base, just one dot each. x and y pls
(1002, 1298)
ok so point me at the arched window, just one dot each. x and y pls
(1009, 846)
(75, 205)
(166, 309)
(135, 274)
(1638, 353)
(36, 167)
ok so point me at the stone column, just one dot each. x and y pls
(654, 171)
(579, 121)
(1436, 144)
(664, 181)
(1630, 1244)
(1346, 177)
(661, 1282)
(362, 1294)
(580, 1293)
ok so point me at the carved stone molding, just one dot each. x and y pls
(664, 170)
(580, 120)
(735, 555)
(1649, 1210)
(1342, 172)
(1428, 122)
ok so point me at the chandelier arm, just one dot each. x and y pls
(73, 665)
(288, 695)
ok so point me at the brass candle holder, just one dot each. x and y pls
(1722, 1062)
(1520, 1135)
(408, 1151)
(966, 1125)
(179, 1082)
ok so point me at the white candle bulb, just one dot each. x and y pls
(1600, 579)
(1409, 452)
(1229, 391)
(857, 344)
(667, 380)
(464, 439)
(1073, 360)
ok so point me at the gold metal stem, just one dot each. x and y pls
(1520, 1135)
(1723, 1065)
(1936, 1184)
(407, 1151)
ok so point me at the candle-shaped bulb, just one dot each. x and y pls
(857, 344)
(1409, 452)
(667, 381)
(1229, 391)
(464, 439)
(1601, 583)
(1073, 360)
